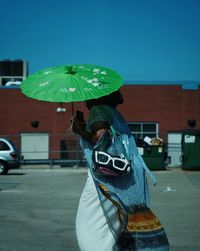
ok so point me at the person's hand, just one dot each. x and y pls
(77, 125)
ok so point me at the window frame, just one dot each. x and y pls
(142, 133)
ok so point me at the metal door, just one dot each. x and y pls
(35, 146)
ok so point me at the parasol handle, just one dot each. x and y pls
(69, 131)
(72, 108)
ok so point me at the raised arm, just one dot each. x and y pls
(98, 128)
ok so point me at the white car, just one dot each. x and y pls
(9, 157)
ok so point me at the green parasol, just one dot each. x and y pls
(71, 83)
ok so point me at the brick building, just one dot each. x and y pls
(41, 127)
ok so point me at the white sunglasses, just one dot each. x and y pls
(104, 159)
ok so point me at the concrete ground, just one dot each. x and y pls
(38, 208)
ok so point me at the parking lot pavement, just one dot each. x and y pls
(38, 208)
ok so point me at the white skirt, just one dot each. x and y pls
(92, 228)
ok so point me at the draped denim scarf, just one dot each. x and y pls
(130, 192)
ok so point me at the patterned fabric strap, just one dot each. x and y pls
(145, 230)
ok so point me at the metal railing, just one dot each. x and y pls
(57, 149)
(64, 150)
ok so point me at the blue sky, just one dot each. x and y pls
(144, 40)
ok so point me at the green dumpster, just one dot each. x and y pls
(154, 156)
(191, 150)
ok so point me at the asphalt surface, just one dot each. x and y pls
(38, 208)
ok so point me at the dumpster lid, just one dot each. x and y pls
(191, 132)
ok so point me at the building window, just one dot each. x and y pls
(142, 129)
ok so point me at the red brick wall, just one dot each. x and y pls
(169, 105)
(17, 111)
